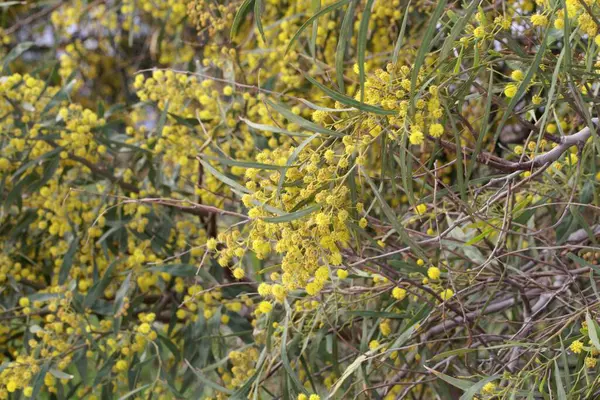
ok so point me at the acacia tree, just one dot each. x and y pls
(299, 199)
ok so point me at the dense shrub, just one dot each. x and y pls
(299, 199)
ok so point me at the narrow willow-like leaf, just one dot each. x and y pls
(362, 45)
(239, 17)
(323, 11)
(344, 35)
(349, 101)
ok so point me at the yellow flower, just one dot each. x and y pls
(121, 365)
(510, 90)
(144, 328)
(11, 386)
(265, 307)
(342, 273)
(436, 130)
(211, 244)
(238, 273)
(420, 209)
(576, 346)
(488, 388)
(416, 137)
(559, 23)
(539, 20)
(399, 293)
(590, 362)
(479, 32)
(517, 75)
(373, 344)
(24, 302)
(433, 273)
(446, 294)
(385, 328)
(363, 223)
(28, 391)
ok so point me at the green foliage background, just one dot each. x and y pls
(299, 199)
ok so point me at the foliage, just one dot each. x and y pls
(299, 199)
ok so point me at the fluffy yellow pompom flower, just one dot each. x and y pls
(373, 344)
(211, 244)
(488, 388)
(238, 273)
(479, 32)
(539, 20)
(385, 328)
(510, 90)
(436, 130)
(446, 294)
(342, 273)
(265, 307)
(517, 75)
(559, 23)
(28, 391)
(576, 346)
(144, 328)
(416, 137)
(121, 365)
(312, 289)
(433, 273)
(399, 293)
(421, 208)
(227, 90)
(24, 302)
(591, 362)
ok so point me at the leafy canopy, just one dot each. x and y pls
(299, 199)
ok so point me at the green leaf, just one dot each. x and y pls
(38, 380)
(258, 8)
(67, 261)
(377, 314)
(400, 39)
(456, 30)
(349, 101)
(426, 44)
(175, 269)
(593, 330)
(245, 164)
(225, 179)
(362, 45)
(293, 216)
(15, 53)
(98, 289)
(134, 391)
(476, 388)
(162, 120)
(344, 35)
(269, 128)
(459, 383)
(239, 17)
(285, 361)
(311, 126)
(560, 389)
(321, 12)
